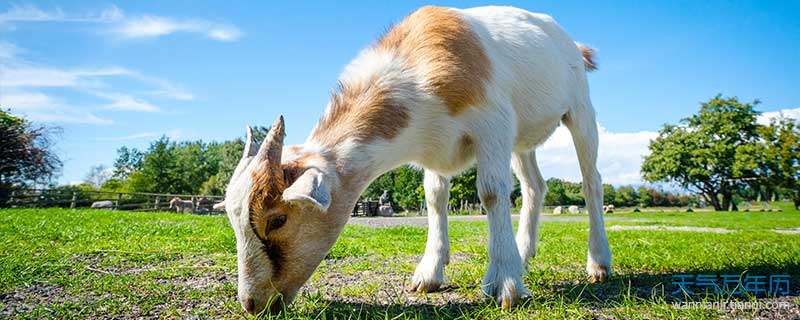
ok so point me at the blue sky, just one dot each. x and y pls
(123, 73)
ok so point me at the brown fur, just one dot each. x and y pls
(363, 111)
(442, 44)
(588, 57)
(268, 190)
(267, 194)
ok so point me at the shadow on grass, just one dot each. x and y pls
(664, 287)
(623, 290)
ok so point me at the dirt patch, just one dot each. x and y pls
(669, 228)
(788, 231)
(421, 221)
(25, 300)
(383, 285)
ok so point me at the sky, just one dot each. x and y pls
(114, 74)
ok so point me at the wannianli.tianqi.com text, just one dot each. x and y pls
(732, 305)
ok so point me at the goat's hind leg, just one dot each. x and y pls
(581, 123)
(429, 275)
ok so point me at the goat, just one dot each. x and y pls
(443, 89)
(181, 205)
(107, 204)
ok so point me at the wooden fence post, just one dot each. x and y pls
(72, 203)
(155, 206)
(116, 203)
(194, 205)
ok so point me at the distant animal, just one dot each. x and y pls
(385, 210)
(557, 210)
(608, 209)
(443, 89)
(573, 209)
(102, 204)
(181, 205)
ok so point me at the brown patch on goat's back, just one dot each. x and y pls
(441, 43)
(363, 111)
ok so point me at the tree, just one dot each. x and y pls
(97, 176)
(774, 161)
(128, 160)
(701, 153)
(464, 188)
(26, 155)
(404, 185)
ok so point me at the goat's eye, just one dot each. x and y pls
(277, 222)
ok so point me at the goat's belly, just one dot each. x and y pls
(530, 137)
(449, 157)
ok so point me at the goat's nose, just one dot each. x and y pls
(250, 305)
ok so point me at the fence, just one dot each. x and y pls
(138, 201)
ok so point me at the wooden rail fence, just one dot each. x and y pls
(136, 201)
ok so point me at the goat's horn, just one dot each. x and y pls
(270, 150)
(249, 149)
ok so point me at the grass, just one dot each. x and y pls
(60, 263)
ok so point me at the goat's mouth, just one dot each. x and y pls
(274, 304)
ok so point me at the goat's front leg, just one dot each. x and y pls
(503, 279)
(429, 275)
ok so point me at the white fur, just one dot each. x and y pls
(537, 80)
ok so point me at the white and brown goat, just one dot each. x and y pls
(443, 89)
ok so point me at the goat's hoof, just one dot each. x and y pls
(424, 286)
(506, 291)
(598, 272)
(428, 277)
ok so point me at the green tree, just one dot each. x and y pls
(626, 197)
(701, 153)
(609, 194)
(774, 162)
(128, 160)
(26, 155)
(464, 188)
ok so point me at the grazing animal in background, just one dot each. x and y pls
(557, 210)
(102, 204)
(181, 205)
(573, 209)
(443, 89)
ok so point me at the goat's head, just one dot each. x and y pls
(174, 202)
(279, 214)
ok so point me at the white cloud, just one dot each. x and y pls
(120, 101)
(620, 156)
(8, 50)
(135, 136)
(145, 26)
(41, 107)
(172, 134)
(31, 13)
(156, 26)
(765, 117)
(20, 79)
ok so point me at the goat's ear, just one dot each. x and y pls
(310, 190)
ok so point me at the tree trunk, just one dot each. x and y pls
(727, 201)
(714, 199)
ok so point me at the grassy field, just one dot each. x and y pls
(60, 263)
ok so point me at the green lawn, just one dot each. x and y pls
(64, 263)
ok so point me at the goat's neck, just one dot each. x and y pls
(354, 165)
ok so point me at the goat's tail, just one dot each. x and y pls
(588, 57)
